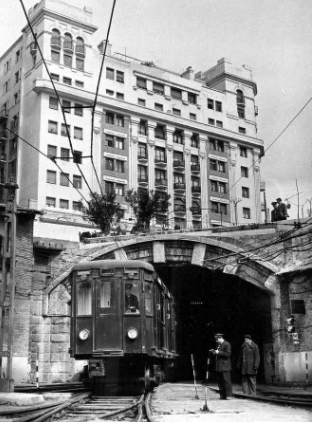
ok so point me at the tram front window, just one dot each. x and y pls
(84, 296)
(106, 294)
(131, 299)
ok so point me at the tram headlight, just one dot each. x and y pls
(84, 334)
(132, 333)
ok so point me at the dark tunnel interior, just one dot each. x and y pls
(208, 302)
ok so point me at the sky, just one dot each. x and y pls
(273, 37)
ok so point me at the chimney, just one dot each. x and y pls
(188, 73)
(101, 48)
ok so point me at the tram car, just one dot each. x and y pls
(123, 323)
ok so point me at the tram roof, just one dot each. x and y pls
(113, 263)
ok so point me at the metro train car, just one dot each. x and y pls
(123, 323)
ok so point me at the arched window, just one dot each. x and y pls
(68, 42)
(240, 101)
(80, 53)
(56, 39)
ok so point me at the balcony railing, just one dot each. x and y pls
(3, 157)
(80, 50)
(56, 42)
(3, 134)
(178, 163)
(142, 180)
(195, 210)
(161, 161)
(161, 182)
(142, 156)
(179, 208)
(196, 189)
(68, 45)
(195, 168)
(179, 186)
(3, 114)
(33, 48)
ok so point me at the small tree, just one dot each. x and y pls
(101, 210)
(146, 205)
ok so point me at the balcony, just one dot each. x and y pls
(80, 50)
(142, 157)
(179, 164)
(196, 190)
(256, 111)
(161, 183)
(179, 209)
(3, 135)
(195, 168)
(3, 158)
(179, 187)
(162, 162)
(56, 43)
(68, 46)
(196, 211)
(33, 48)
(143, 180)
(3, 115)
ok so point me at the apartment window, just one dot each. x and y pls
(52, 151)
(245, 192)
(51, 177)
(211, 122)
(143, 127)
(240, 101)
(213, 165)
(66, 106)
(195, 140)
(109, 118)
(141, 102)
(78, 133)
(222, 187)
(110, 73)
(64, 154)
(244, 171)
(79, 64)
(78, 109)
(178, 137)
(160, 174)
(64, 179)
(241, 129)
(119, 121)
(120, 166)
(218, 106)
(67, 81)
(63, 129)
(220, 146)
(223, 209)
(16, 97)
(214, 206)
(77, 181)
(159, 107)
(214, 185)
(120, 189)
(55, 57)
(77, 206)
(77, 156)
(246, 213)
(80, 84)
(109, 164)
(6, 86)
(194, 159)
(243, 151)
(142, 173)
(110, 92)
(53, 103)
(176, 93)
(17, 55)
(178, 178)
(64, 204)
(142, 151)
(298, 306)
(141, 83)
(50, 202)
(210, 104)
(109, 141)
(17, 76)
(219, 123)
(120, 96)
(158, 88)
(55, 77)
(68, 60)
(109, 188)
(160, 154)
(120, 76)
(160, 132)
(192, 98)
(120, 143)
(221, 166)
(176, 112)
(52, 127)
(192, 116)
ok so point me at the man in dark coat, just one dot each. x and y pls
(248, 364)
(281, 210)
(131, 301)
(273, 212)
(223, 367)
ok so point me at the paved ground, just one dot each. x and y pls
(177, 403)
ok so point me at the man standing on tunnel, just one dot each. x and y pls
(223, 367)
(248, 364)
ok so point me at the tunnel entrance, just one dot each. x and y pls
(208, 302)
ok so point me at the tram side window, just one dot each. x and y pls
(106, 294)
(148, 298)
(84, 298)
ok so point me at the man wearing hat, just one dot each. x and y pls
(273, 212)
(248, 364)
(281, 210)
(131, 301)
(223, 367)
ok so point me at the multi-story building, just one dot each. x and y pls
(191, 135)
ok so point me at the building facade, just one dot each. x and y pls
(191, 135)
